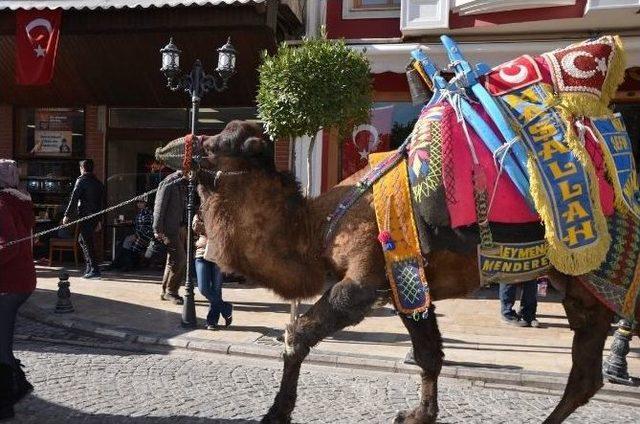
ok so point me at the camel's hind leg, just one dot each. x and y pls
(590, 321)
(346, 303)
(427, 348)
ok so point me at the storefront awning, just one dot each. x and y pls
(394, 57)
(115, 4)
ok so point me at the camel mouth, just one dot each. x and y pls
(172, 154)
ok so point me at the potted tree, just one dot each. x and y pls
(318, 84)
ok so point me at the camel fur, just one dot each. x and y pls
(267, 231)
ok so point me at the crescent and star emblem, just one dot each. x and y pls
(568, 64)
(36, 23)
(516, 78)
(374, 140)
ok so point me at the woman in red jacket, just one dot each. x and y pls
(17, 281)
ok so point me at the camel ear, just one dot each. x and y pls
(254, 146)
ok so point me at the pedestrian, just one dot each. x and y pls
(17, 281)
(87, 198)
(528, 304)
(169, 226)
(135, 244)
(209, 279)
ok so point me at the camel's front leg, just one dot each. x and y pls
(427, 350)
(344, 304)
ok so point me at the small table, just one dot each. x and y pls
(114, 228)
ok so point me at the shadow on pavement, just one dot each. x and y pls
(115, 314)
(119, 349)
(482, 365)
(37, 410)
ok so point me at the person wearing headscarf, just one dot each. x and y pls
(17, 281)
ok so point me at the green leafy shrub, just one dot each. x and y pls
(318, 84)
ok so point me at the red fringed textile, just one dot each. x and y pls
(188, 154)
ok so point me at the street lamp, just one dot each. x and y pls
(196, 84)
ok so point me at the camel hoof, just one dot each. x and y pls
(411, 417)
(272, 418)
(400, 417)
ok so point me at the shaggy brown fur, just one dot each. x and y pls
(264, 229)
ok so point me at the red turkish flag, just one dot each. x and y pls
(37, 33)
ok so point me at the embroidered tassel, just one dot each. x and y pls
(384, 237)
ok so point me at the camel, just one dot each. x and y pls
(267, 231)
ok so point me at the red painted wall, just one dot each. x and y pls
(515, 16)
(390, 81)
(390, 27)
(358, 28)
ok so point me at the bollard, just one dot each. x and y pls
(614, 367)
(63, 305)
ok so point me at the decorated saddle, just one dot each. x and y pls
(531, 140)
(577, 175)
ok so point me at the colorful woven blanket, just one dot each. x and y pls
(399, 238)
(617, 282)
(439, 158)
(570, 158)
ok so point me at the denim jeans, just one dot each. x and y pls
(528, 301)
(210, 286)
(9, 305)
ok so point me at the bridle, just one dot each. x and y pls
(218, 174)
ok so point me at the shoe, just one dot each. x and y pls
(228, 320)
(174, 298)
(212, 327)
(511, 319)
(91, 275)
(6, 391)
(21, 387)
(535, 323)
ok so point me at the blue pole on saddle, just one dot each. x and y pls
(488, 137)
(467, 77)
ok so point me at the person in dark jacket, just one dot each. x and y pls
(169, 226)
(87, 198)
(17, 281)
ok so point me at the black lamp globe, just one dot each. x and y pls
(226, 60)
(170, 59)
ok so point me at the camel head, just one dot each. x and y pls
(240, 146)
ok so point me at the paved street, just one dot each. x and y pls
(79, 383)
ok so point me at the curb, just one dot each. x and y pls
(477, 376)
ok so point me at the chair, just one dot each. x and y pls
(64, 245)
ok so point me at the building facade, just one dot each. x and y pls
(487, 31)
(108, 100)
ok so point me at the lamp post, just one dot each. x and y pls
(614, 368)
(196, 84)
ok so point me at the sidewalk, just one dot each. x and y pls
(477, 344)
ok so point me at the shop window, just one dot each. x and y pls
(376, 4)
(48, 144)
(148, 118)
(359, 9)
(50, 133)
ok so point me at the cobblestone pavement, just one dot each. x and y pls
(83, 384)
